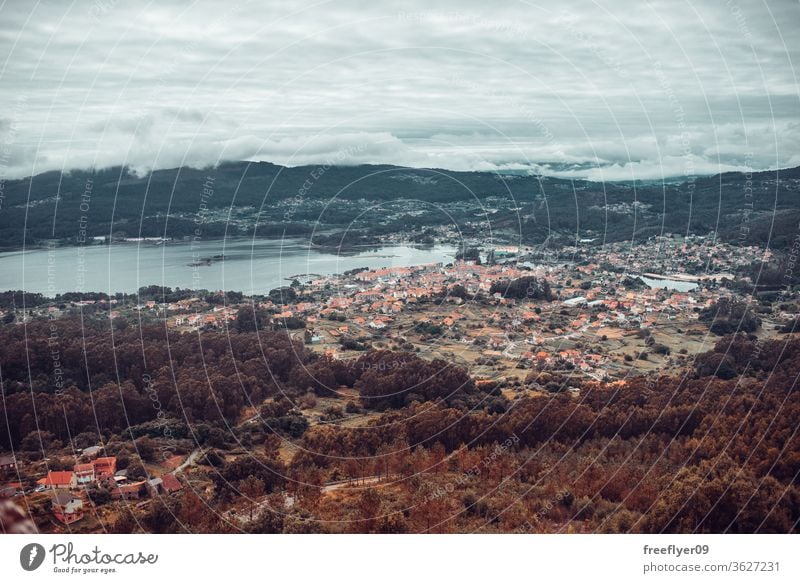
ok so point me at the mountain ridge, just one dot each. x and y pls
(265, 199)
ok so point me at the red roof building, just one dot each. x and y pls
(129, 491)
(105, 467)
(84, 474)
(97, 469)
(58, 480)
(170, 483)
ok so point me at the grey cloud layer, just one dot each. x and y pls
(604, 90)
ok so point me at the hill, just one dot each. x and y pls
(243, 199)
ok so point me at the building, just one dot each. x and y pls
(98, 469)
(67, 507)
(166, 484)
(11, 489)
(170, 483)
(132, 491)
(576, 301)
(91, 452)
(105, 467)
(59, 480)
(7, 463)
(84, 474)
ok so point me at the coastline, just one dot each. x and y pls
(298, 240)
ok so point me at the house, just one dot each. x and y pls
(132, 491)
(166, 484)
(55, 480)
(170, 483)
(576, 301)
(11, 489)
(91, 452)
(98, 469)
(84, 474)
(7, 463)
(67, 507)
(105, 467)
(498, 342)
(311, 337)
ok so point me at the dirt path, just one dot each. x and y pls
(351, 482)
(189, 461)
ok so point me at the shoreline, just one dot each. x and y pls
(143, 243)
(301, 240)
(51, 271)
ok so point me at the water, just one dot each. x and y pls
(252, 267)
(670, 284)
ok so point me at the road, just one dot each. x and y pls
(189, 461)
(353, 481)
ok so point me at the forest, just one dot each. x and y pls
(176, 203)
(709, 449)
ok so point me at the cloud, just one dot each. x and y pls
(665, 167)
(592, 89)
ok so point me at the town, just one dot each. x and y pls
(512, 316)
(615, 309)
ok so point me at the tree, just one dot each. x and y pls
(394, 379)
(729, 315)
(253, 488)
(431, 510)
(146, 448)
(369, 504)
(719, 496)
(394, 523)
(283, 295)
(527, 287)
(267, 522)
(136, 471)
(85, 439)
(469, 254)
(269, 471)
(41, 441)
(99, 495)
(249, 319)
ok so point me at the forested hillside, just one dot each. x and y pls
(242, 199)
(694, 451)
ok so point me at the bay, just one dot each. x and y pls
(249, 266)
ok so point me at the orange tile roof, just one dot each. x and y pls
(56, 479)
(171, 483)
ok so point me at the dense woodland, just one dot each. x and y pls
(175, 203)
(713, 449)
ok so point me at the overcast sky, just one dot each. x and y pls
(605, 90)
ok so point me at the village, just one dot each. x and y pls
(626, 309)
(94, 480)
(629, 310)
